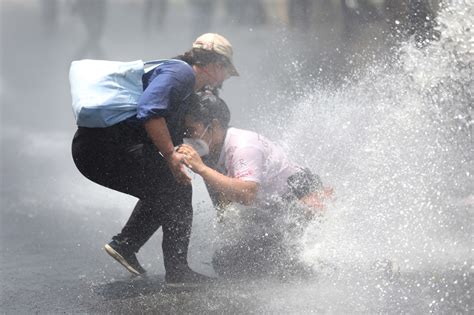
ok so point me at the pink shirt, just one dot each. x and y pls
(249, 156)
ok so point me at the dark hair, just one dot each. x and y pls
(205, 106)
(202, 57)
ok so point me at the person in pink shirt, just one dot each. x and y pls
(244, 167)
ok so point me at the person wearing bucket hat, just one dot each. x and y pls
(137, 156)
(217, 43)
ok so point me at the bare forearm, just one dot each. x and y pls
(230, 188)
(160, 135)
(158, 132)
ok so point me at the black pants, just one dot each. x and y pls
(254, 244)
(261, 255)
(122, 158)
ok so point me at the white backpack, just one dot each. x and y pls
(105, 93)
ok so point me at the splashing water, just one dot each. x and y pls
(396, 144)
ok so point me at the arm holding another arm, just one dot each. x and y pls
(158, 132)
(168, 87)
(233, 189)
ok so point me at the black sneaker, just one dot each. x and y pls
(186, 278)
(125, 258)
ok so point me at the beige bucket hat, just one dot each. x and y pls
(219, 44)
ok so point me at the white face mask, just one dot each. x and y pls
(201, 146)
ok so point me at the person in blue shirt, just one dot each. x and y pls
(138, 157)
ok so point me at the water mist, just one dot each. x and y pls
(395, 142)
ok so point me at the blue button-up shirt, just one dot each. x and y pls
(165, 91)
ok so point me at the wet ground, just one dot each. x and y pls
(52, 263)
(54, 222)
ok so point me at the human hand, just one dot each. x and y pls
(176, 163)
(192, 158)
(316, 202)
(327, 193)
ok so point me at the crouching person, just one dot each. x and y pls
(243, 167)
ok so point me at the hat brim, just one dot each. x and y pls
(233, 71)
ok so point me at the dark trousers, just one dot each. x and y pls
(262, 255)
(122, 158)
(261, 243)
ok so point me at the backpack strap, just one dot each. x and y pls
(152, 64)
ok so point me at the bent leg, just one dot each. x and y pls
(110, 158)
(144, 221)
(115, 157)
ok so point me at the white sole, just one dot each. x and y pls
(119, 258)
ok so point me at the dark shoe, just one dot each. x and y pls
(125, 257)
(186, 277)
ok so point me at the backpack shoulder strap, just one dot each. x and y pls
(152, 64)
